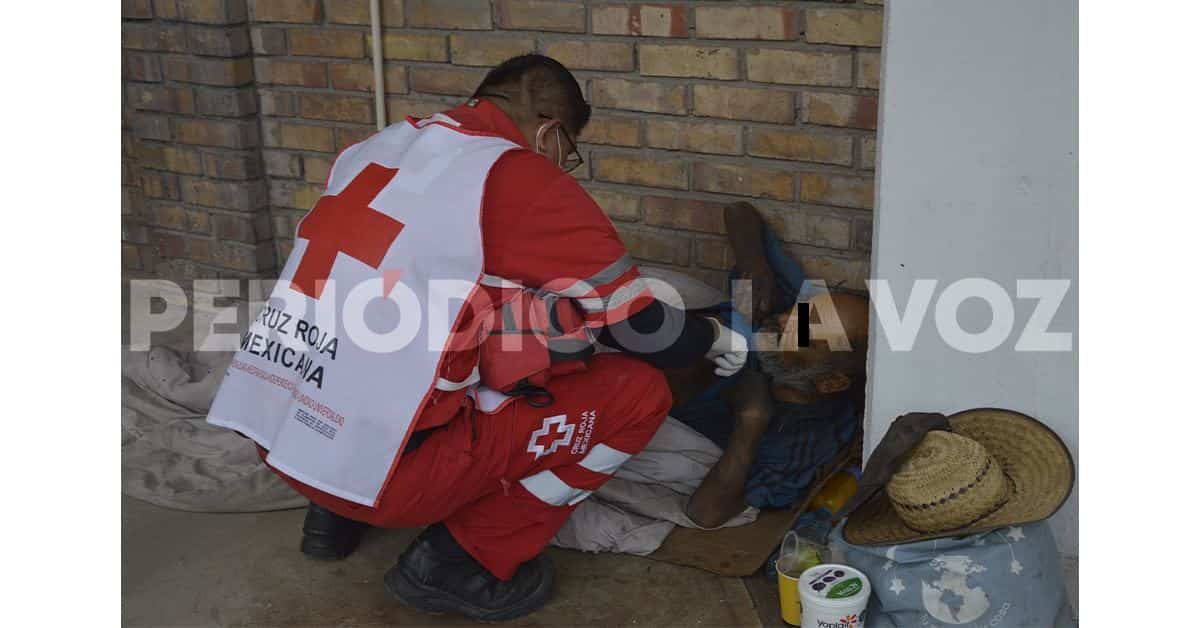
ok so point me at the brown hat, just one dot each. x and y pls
(992, 468)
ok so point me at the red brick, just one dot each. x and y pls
(450, 14)
(815, 229)
(862, 234)
(168, 157)
(694, 136)
(640, 20)
(153, 36)
(207, 132)
(282, 164)
(400, 108)
(541, 15)
(639, 96)
(635, 170)
(688, 61)
(160, 185)
(130, 258)
(658, 246)
(239, 166)
(746, 23)
(486, 50)
(838, 190)
(295, 194)
(295, 11)
(298, 136)
(445, 80)
(235, 228)
(152, 127)
(415, 47)
(218, 42)
(866, 153)
(325, 43)
(743, 181)
(277, 103)
(848, 27)
(268, 41)
(337, 108)
(213, 11)
(137, 9)
(802, 146)
(226, 102)
(714, 253)
(239, 195)
(345, 136)
(170, 245)
(177, 218)
(298, 73)
(140, 66)
(166, 9)
(683, 213)
(243, 257)
(850, 274)
(743, 103)
(360, 77)
(867, 73)
(209, 71)
(847, 110)
(612, 131)
(316, 168)
(616, 205)
(799, 67)
(359, 12)
(160, 98)
(592, 55)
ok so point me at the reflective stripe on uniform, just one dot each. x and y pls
(547, 486)
(604, 459)
(621, 296)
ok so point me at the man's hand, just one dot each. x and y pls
(729, 349)
(762, 283)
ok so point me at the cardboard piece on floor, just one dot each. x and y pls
(741, 551)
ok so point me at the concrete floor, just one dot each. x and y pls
(192, 569)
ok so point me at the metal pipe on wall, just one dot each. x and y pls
(377, 65)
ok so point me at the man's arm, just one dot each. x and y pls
(662, 335)
(721, 496)
(745, 228)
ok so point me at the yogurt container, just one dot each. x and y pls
(833, 596)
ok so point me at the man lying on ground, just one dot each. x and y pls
(800, 375)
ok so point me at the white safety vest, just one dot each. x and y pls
(331, 377)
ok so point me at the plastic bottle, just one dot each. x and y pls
(836, 492)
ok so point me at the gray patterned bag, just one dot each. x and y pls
(1004, 578)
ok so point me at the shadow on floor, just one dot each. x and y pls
(199, 569)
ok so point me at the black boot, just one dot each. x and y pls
(328, 536)
(436, 574)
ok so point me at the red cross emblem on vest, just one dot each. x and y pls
(345, 223)
(555, 431)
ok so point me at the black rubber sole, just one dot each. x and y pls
(437, 601)
(323, 551)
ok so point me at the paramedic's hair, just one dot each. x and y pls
(556, 78)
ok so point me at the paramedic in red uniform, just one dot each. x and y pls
(495, 489)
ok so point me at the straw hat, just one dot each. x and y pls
(992, 469)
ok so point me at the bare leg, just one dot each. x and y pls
(721, 495)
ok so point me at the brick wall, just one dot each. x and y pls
(236, 107)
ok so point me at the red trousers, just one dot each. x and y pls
(504, 486)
